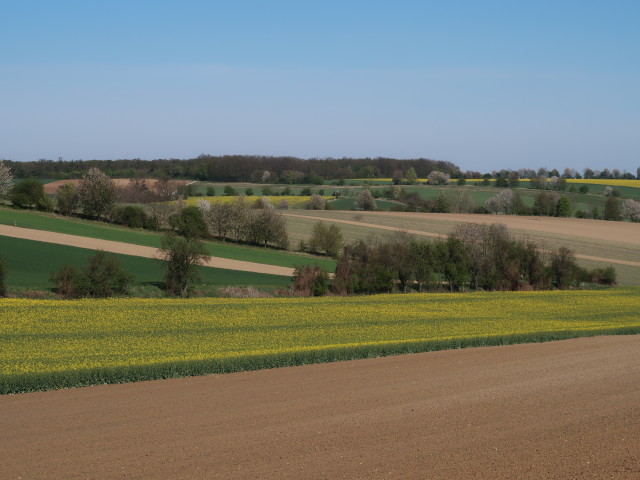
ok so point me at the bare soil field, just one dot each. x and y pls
(561, 410)
(53, 187)
(135, 250)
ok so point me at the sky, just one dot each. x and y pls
(483, 84)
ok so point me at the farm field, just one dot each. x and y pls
(103, 231)
(565, 409)
(31, 263)
(47, 344)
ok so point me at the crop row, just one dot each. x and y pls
(48, 344)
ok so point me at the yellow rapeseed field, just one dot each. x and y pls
(42, 339)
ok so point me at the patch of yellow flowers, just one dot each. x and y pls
(49, 336)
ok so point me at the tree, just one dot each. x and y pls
(102, 277)
(27, 193)
(564, 268)
(181, 257)
(67, 200)
(563, 207)
(438, 178)
(97, 193)
(6, 180)
(266, 226)
(612, 209)
(631, 210)
(365, 201)
(189, 223)
(326, 238)
(421, 254)
(316, 202)
(545, 203)
(398, 177)
(412, 177)
(442, 204)
(218, 217)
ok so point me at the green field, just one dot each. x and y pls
(46, 344)
(104, 231)
(30, 264)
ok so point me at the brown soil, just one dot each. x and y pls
(52, 188)
(135, 250)
(561, 410)
(593, 229)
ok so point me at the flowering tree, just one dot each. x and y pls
(6, 180)
(97, 193)
(631, 210)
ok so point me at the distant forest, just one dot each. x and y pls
(233, 168)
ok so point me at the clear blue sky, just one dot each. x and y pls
(484, 84)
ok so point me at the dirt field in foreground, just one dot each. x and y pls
(557, 410)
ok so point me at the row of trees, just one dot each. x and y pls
(542, 172)
(235, 168)
(476, 257)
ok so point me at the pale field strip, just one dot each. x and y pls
(592, 230)
(134, 250)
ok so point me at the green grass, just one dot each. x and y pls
(104, 231)
(30, 264)
(57, 344)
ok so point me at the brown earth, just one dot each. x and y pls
(135, 250)
(592, 229)
(52, 187)
(561, 410)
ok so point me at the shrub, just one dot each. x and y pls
(27, 193)
(229, 191)
(133, 216)
(101, 278)
(310, 281)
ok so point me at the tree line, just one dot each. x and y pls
(233, 168)
(473, 257)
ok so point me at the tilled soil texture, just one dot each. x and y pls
(561, 410)
(135, 250)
